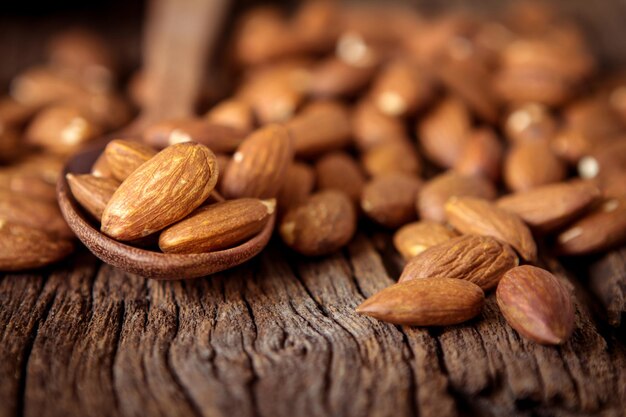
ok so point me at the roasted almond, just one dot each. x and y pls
(426, 302)
(233, 113)
(531, 164)
(321, 127)
(478, 259)
(536, 304)
(23, 247)
(324, 223)
(21, 181)
(259, 166)
(334, 77)
(434, 194)
(93, 193)
(414, 238)
(124, 156)
(482, 155)
(443, 132)
(393, 156)
(339, 171)
(161, 192)
(372, 128)
(471, 215)
(299, 184)
(10, 144)
(529, 122)
(217, 226)
(551, 206)
(390, 199)
(219, 138)
(101, 167)
(38, 214)
(601, 229)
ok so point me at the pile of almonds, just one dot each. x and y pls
(52, 111)
(472, 139)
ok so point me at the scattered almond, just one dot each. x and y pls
(93, 193)
(339, 171)
(414, 238)
(390, 199)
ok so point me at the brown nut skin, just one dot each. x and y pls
(339, 171)
(217, 226)
(426, 302)
(532, 164)
(93, 193)
(443, 132)
(333, 77)
(23, 247)
(389, 199)
(35, 213)
(396, 155)
(321, 225)
(436, 192)
(161, 192)
(482, 155)
(259, 166)
(124, 156)
(233, 113)
(299, 184)
(100, 168)
(414, 238)
(551, 206)
(29, 184)
(371, 128)
(529, 122)
(219, 138)
(536, 304)
(471, 215)
(478, 259)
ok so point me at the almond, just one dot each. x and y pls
(551, 206)
(321, 127)
(531, 164)
(21, 181)
(442, 133)
(232, 113)
(217, 226)
(414, 238)
(602, 229)
(10, 144)
(478, 259)
(259, 166)
(161, 192)
(23, 247)
(434, 194)
(124, 156)
(38, 214)
(219, 138)
(536, 304)
(101, 168)
(472, 215)
(390, 199)
(529, 122)
(393, 156)
(371, 127)
(339, 171)
(299, 184)
(426, 302)
(334, 77)
(324, 223)
(93, 193)
(482, 155)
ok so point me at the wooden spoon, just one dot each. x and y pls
(144, 262)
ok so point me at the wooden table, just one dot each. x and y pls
(279, 336)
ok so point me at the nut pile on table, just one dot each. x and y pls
(471, 138)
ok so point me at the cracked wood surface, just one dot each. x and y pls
(279, 337)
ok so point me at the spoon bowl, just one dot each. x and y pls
(139, 261)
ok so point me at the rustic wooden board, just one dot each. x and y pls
(278, 337)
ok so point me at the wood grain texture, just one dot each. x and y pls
(278, 337)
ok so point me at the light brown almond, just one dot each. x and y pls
(321, 127)
(478, 259)
(529, 122)
(472, 215)
(217, 226)
(324, 223)
(536, 304)
(23, 182)
(549, 207)
(93, 193)
(334, 77)
(38, 214)
(259, 166)
(219, 138)
(124, 156)
(414, 238)
(233, 113)
(393, 156)
(601, 229)
(161, 192)
(10, 144)
(23, 247)
(372, 128)
(482, 155)
(299, 184)
(443, 132)
(390, 199)
(434, 194)
(339, 171)
(426, 302)
(531, 164)
(101, 168)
